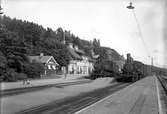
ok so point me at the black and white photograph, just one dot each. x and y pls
(83, 57)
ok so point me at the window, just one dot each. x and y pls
(49, 67)
(54, 67)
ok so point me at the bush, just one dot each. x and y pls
(1, 78)
(10, 76)
(21, 76)
(33, 70)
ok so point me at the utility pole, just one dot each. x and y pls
(152, 65)
(65, 67)
(64, 38)
(152, 61)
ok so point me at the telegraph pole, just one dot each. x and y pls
(64, 42)
(152, 65)
(152, 61)
(64, 38)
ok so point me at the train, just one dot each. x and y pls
(131, 71)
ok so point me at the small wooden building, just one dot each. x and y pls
(51, 66)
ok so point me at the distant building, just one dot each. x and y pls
(79, 63)
(49, 62)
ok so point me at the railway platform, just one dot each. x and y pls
(41, 82)
(141, 97)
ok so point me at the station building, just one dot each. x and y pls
(79, 63)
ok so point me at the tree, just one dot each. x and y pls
(34, 70)
(3, 65)
(59, 34)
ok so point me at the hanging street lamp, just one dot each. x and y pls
(130, 6)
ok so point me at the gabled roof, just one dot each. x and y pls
(80, 52)
(73, 54)
(41, 59)
(90, 59)
(77, 54)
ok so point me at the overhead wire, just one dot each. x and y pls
(140, 32)
(139, 27)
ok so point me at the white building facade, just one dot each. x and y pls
(82, 65)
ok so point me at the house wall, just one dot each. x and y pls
(80, 67)
(51, 67)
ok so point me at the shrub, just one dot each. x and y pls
(10, 76)
(21, 76)
(1, 78)
(33, 70)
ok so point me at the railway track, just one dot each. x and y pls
(5, 93)
(163, 82)
(73, 104)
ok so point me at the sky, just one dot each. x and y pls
(108, 20)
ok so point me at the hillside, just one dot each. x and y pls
(20, 39)
(113, 55)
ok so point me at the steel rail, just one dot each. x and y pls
(163, 82)
(5, 93)
(71, 105)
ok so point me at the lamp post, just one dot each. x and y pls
(64, 38)
(152, 64)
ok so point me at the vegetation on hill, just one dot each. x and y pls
(20, 39)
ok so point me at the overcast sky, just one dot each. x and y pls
(108, 20)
